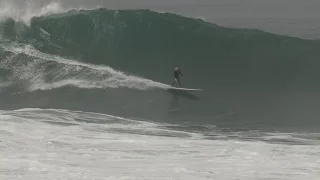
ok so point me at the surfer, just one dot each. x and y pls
(176, 77)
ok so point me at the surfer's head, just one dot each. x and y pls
(177, 69)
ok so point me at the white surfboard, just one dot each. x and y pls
(183, 89)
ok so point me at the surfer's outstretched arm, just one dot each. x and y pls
(180, 73)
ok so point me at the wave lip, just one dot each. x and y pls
(26, 11)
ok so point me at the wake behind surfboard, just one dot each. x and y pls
(182, 89)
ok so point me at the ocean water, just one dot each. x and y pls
(84, 92)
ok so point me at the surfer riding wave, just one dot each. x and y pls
(176, 77)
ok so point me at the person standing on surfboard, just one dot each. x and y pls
(176, 77)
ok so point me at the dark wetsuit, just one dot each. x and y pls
(176, 74)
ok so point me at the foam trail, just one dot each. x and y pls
(53, 144)
(110, 122)
(68, 72)
(3, 85)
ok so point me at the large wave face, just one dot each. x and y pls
(249, 73)
(151, 44)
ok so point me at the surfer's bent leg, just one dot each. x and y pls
(179, 81)
(174, 80)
